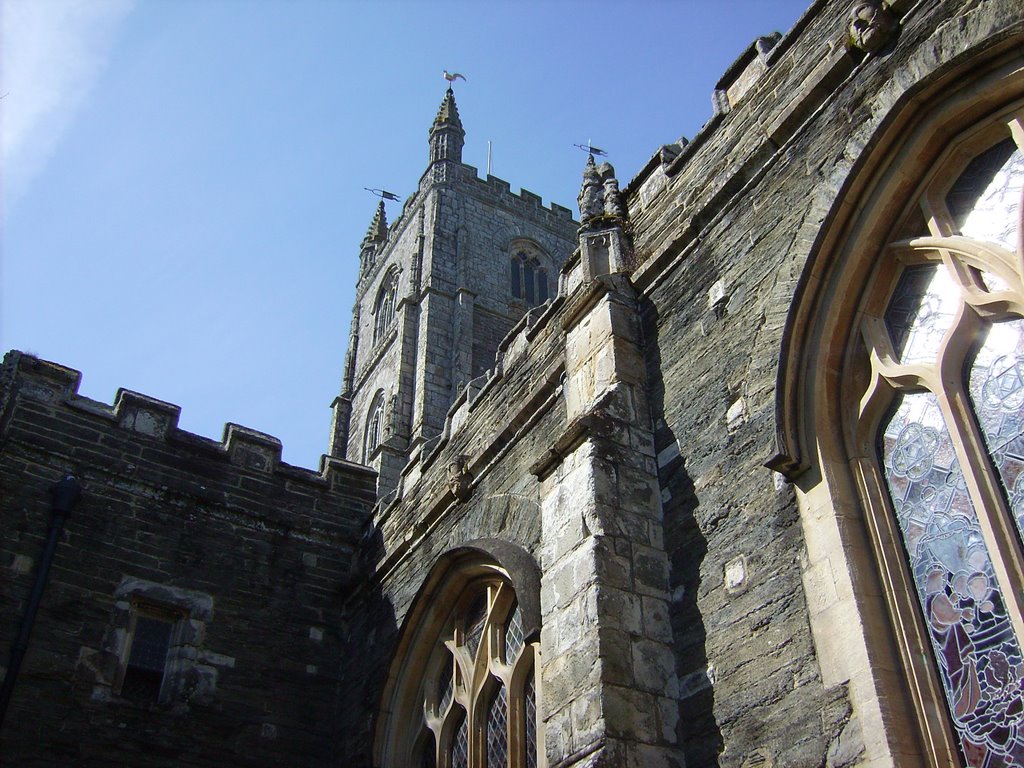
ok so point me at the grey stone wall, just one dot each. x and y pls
(451, 249)
(252, 550)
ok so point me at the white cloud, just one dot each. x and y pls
(52, 53)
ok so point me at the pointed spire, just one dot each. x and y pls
(448, 112)
(446, 134)
(378, 231)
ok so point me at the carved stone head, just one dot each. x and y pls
(459, 478)
(871, 25)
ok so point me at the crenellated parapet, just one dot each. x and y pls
(29, 381)
(752, 123)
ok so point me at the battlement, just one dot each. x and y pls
(29, 378)
(501, 189)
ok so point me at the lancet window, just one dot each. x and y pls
(463, 689)
(384, 307)
(936, 380)
(528, 278)
(374, 426)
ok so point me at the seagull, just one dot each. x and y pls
(451, 77)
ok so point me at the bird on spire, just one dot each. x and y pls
(451, 77)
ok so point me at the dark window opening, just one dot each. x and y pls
(147, 661)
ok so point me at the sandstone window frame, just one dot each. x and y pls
(190, 674)
(965, 260)
(868, 629)
(413, 727)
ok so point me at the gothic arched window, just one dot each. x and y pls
(374, 426)
(935, 387)
(480, 703)
(528, 277)
(464, 687)
(384, 307)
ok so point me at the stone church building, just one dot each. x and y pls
(721, 472)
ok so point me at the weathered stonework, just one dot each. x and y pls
(638, 451)
(246, 552)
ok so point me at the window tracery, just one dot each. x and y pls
(481, 705)
(940, 431)
(528, 277)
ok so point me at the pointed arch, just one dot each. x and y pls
(374, 430)
(529, 272)
(911, 543)
(385, 305)
(465, 667)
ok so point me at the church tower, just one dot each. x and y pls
(437, 291)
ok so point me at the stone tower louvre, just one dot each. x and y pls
(437, 291)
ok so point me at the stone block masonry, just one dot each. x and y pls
(239, 555)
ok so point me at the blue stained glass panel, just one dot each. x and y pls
(978, 656)
(921, 310)
(996, 386)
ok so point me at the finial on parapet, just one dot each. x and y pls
(600, 200)
(872, 26)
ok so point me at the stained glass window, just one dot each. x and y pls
(529, 282)
(513, 635)
(996, 385)
(446, 683)
(938, 321)
(921, 311)
(984, 200)
(528, 278)
(979, 658)
(374, 426)
(476, 618)
(384, 308)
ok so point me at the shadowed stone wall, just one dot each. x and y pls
(245, 553)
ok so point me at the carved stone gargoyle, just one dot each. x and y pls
(460, 481)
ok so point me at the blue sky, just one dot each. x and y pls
(183, 179)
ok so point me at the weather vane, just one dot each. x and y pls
(588, 147)
(383, 194)
(451, 77)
